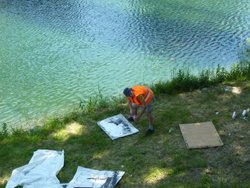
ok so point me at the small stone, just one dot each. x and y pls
(207, 171)
(170, 130)
(234, 115)
(244, 113)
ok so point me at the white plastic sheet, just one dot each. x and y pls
(40, 172)
(86, 177)
(117, 126)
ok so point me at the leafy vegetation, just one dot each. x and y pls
(183, 81)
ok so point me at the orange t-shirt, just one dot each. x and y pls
(147, 94)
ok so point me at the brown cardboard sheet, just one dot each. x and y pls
(200, 135)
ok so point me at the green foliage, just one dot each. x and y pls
(4, 131)
(206, 182)
(186, 160)
(205, 78)
(183, 81)
(95, 103)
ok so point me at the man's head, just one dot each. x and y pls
(127, 92)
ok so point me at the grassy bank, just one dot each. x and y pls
(162, 159)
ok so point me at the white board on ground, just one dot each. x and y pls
(86, 177)
(117, 126)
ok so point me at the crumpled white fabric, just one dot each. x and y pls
(86, 177)
(44, 165)
(40, 172)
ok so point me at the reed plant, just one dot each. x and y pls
(184, 81)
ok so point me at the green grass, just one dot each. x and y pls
(162, 159)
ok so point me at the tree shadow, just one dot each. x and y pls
(158, 160)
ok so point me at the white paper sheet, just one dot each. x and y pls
(117, 126)
(86, 177)
(40, 172)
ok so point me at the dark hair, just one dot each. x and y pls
(127, 92)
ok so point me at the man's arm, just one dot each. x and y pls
(144, 106)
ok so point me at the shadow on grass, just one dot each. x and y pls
(159, 160)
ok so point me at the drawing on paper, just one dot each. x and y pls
(117, 126)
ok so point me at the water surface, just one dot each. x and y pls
(55, 53)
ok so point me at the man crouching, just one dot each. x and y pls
(140, 97)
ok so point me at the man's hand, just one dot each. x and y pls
(136, 118)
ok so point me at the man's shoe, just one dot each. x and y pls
(150, 131)
(130, 118)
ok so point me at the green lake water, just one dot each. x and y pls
(55, 53)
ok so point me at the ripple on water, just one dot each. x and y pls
(55, 53)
